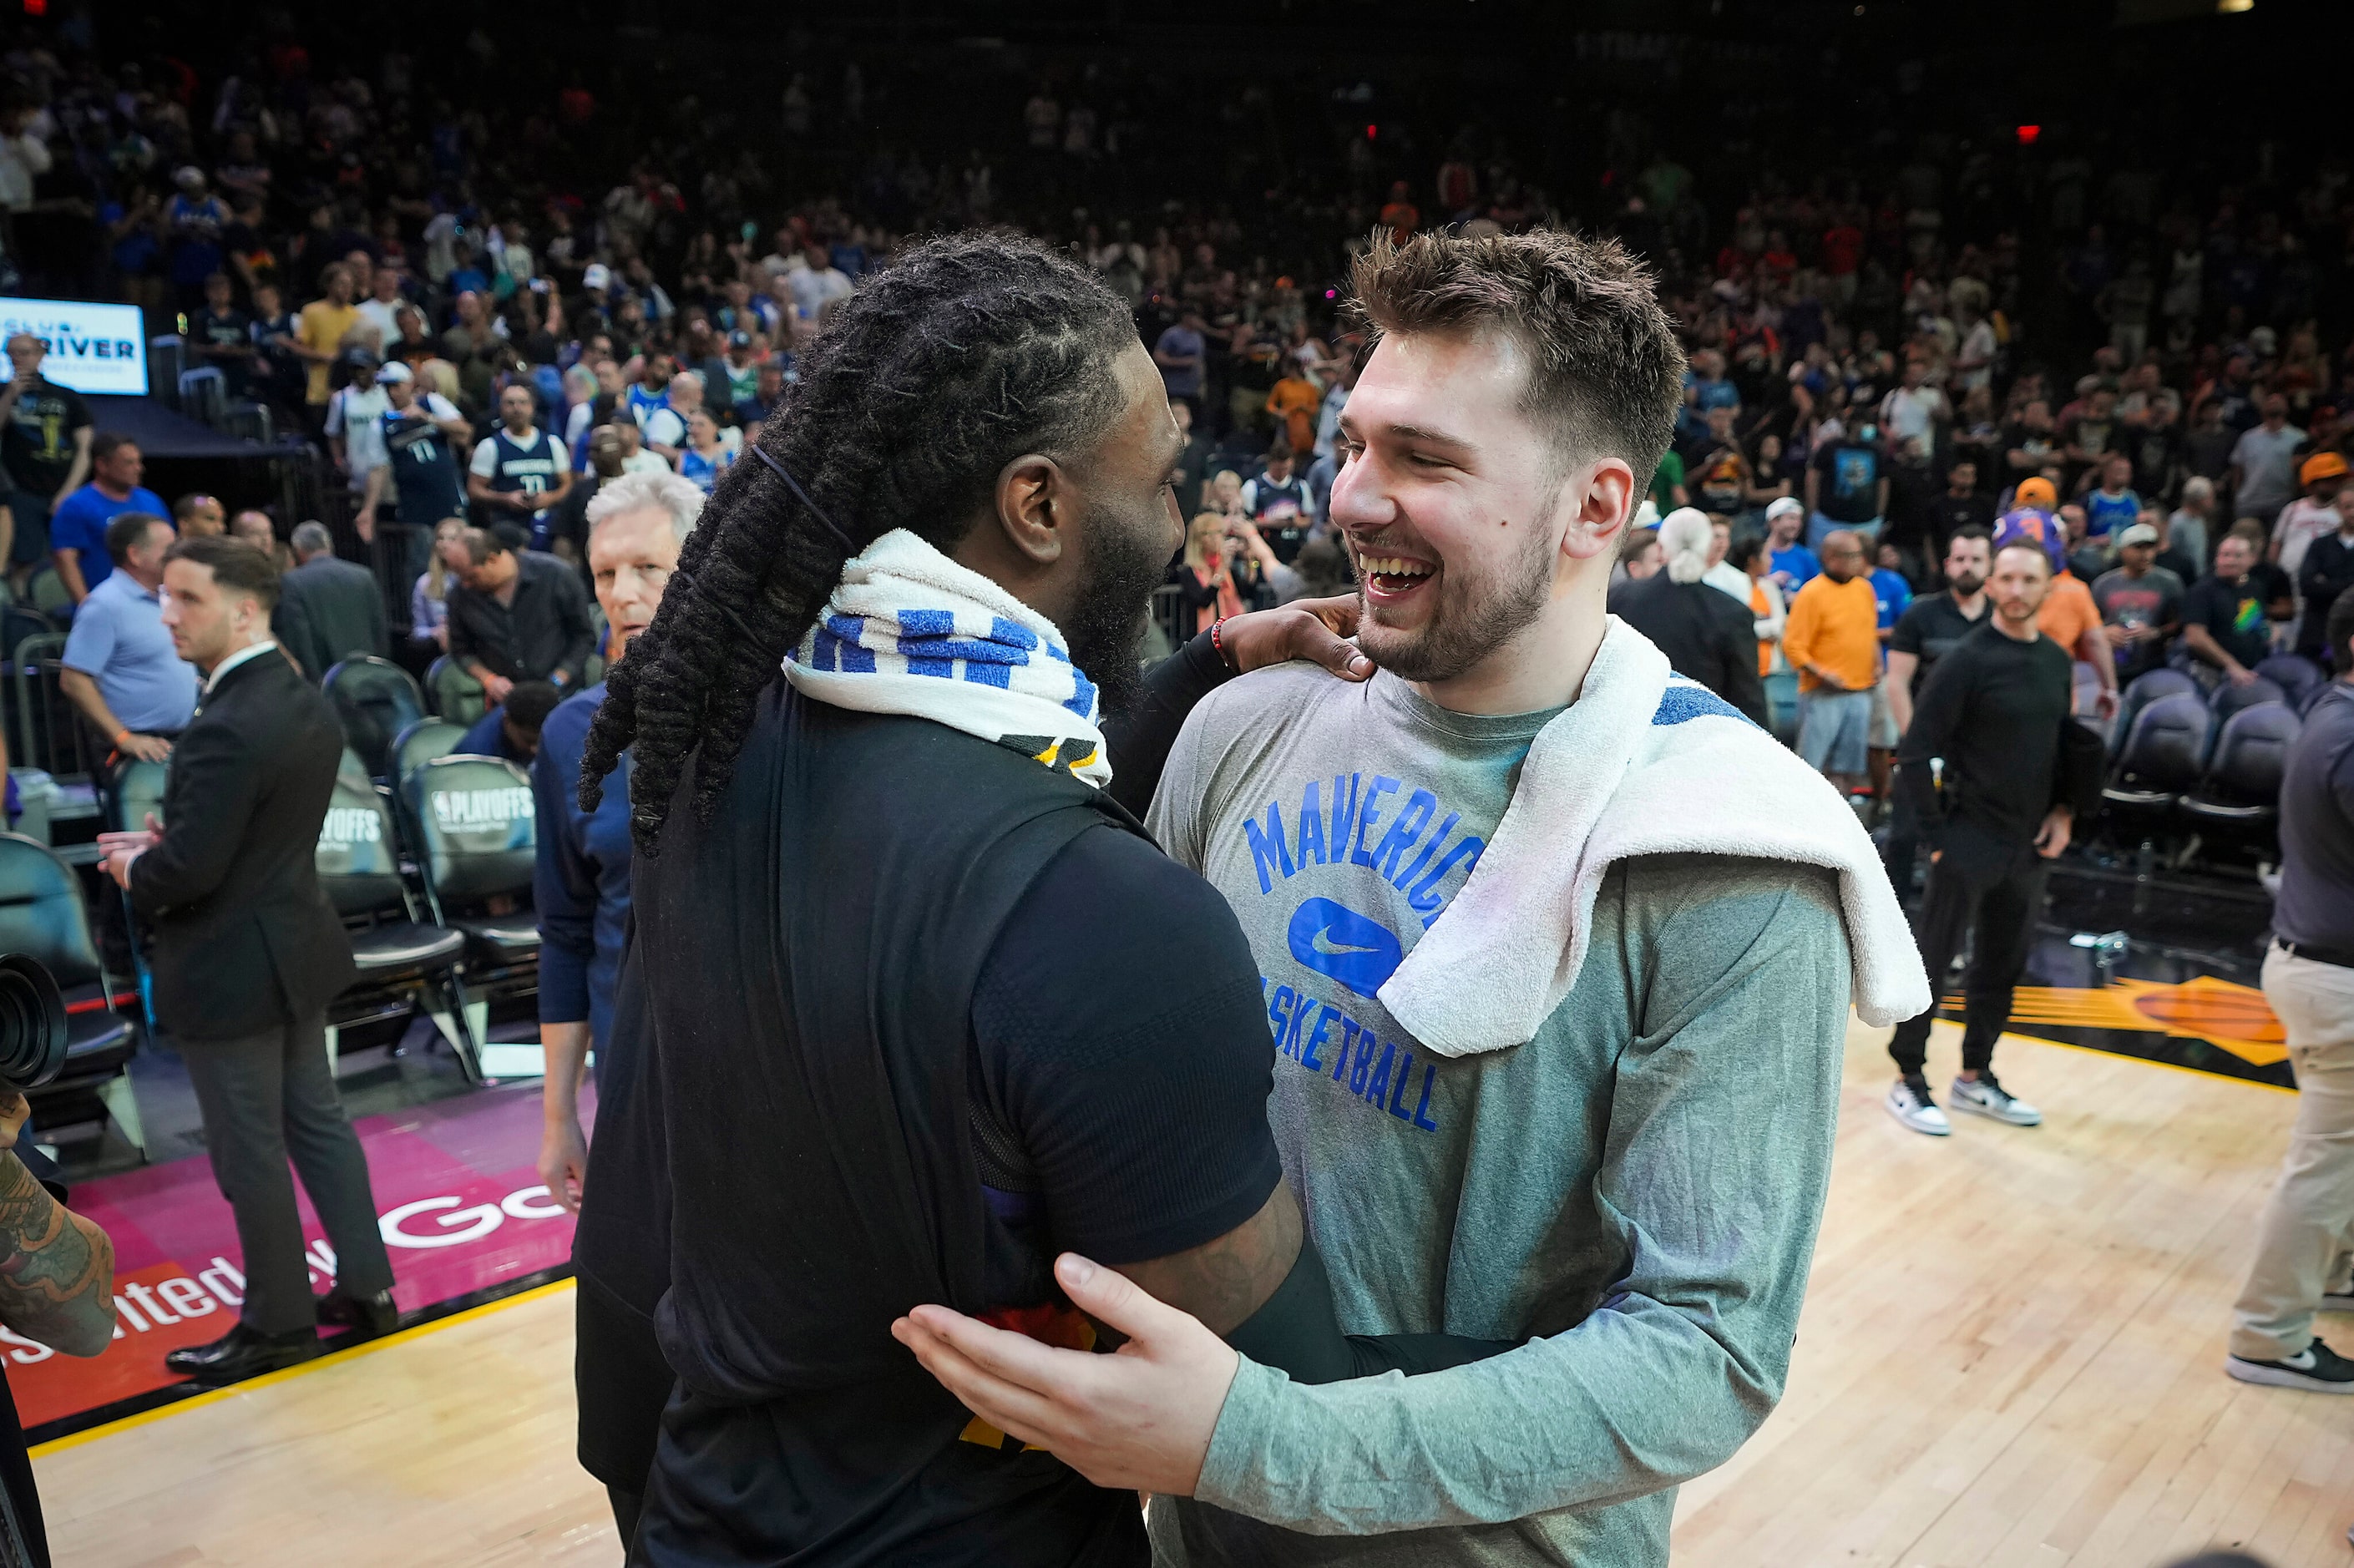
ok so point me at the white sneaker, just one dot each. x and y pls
(1982, 1095)
(1909, 1102)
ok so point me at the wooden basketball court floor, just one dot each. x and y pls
(2011, 1354)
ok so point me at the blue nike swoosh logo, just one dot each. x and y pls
(1337, 942)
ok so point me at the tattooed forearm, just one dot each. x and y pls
(1224, 1281)
(57, 1269)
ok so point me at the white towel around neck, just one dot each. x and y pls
(1643, 762)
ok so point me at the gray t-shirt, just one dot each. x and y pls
(2267, 469)
(1635, 1191)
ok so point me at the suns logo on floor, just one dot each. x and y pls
(2232, 1018)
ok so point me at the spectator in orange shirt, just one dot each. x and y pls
(1401, 216)
(2070, 619)
(1295, 400)
(1832, 639)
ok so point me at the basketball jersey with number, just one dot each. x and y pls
(531, 467)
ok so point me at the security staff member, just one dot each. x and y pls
(2302, 1259)
(1996, 712)
(247, 954)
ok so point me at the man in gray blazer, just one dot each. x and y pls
(328, 609)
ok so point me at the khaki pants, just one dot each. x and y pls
(2302, 1248)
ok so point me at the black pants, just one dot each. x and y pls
(622, 1384)
(1903, 847)
(1995, 889)
(266, 1097)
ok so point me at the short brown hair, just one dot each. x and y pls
(235, 565)
(1605, 368)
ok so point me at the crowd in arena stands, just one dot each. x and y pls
(1893, 356)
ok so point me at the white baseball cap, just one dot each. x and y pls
(393, 370)
(1787, 506)
(597, 276)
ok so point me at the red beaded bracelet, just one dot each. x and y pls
(1218, 644)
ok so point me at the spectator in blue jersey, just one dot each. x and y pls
(1788, 562)
(422, 430)
(2112, 507)
(511, 729)
(519, 475)
(664, 429)
(1705, 387)
(650, 390)
(78, 529)
(706, 455)
(1891, 589)
(2031, 519)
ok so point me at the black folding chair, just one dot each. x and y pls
(403, 962)
(476, 841)
(376, 699)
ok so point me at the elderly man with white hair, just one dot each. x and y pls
(636, 523)
(1705, 634)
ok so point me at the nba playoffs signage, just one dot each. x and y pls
(92, 349)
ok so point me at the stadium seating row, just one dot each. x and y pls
(2209, 763)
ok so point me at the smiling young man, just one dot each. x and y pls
(1580, 1098)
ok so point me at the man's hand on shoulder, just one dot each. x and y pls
(1141, 1418)
(1313, 628)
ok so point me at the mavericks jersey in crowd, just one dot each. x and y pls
(532, 465)
(424, 468)
(1279, 507)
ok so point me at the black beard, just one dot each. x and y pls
(1115, 608)
(1965, 586)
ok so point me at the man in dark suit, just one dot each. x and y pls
(328, 610)
(247, 954)
(1706, 632)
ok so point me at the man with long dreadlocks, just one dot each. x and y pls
(917, 1004)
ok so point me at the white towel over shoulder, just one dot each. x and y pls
(1645, 762)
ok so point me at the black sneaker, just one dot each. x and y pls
(2316, 1369)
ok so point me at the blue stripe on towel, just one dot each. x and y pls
(1690, 700)
(926, 623)
(837, 645)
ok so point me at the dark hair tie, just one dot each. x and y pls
(848, 544)
(733, 619)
